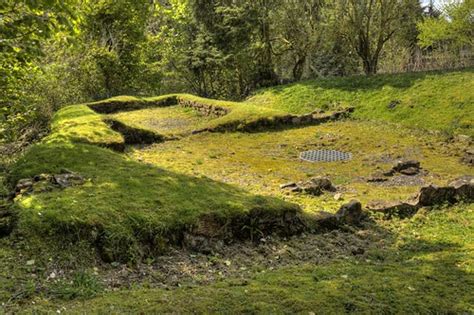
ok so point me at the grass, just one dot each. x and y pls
(260, 162)
(173, 120)
(133, 206)
(425, 265)
(125, 205)
(440, 101)
(80, 124)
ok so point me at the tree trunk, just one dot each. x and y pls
(370, 65)
(298, 68)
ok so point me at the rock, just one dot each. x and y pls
(296, 120)
(315, 186)
(288, 185)
(376, 178)
(326, 220)
(464, 187)
(394, 104)
(409, 167)
(197, 243)
(468, 157)
(6, 224)
(404, 165)
(350, 213)
(67, 180)
(461, 189)
(399, 208)
(24, 184)
(410, 171)
(324, 183)
(46, 182)
(41, 177)
(433, 195)
(317, 111)
(338, 196)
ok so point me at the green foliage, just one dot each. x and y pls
(455, 27)
(83, 285)
(24, 25)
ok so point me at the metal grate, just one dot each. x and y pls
(325, 156)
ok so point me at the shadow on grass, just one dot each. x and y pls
(129, 209)
(364, 83)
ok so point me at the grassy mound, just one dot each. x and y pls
(126, 208)
(80, 124)
(441, 101)
(423, 266)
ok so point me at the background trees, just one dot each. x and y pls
(57, 52)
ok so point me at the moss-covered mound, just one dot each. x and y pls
(129, 209)
(442, 101)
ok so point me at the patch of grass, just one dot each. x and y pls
(241, 113)
(83, 285)
(442, 101)
(172, 120)
(260, 162)
(425, 267)
(79, 123)
(130, 209)
(130, 103)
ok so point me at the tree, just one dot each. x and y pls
(298, 27)
(368, 24)
(455, 26)
(24, 28)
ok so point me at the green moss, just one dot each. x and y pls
(79, 123)
(260, 162)
(134, 205)
(440, 101)
(128, 204)
(129, 103)
(173, 120)
(425, 266)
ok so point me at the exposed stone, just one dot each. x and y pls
(433, 195)
(350, 214)
(377, 178)
(464, 187)
(24, 184)
(67, 180)
(204, 109)
(7, 219)
(461, 189)
(404, 165)
(111, 106)
(288, 185)
(338, 196)
(409, 167)
(399, 208)
(410, 171)
(468, 157)
(315, 186)
(314, 118)
(46, 182)
(394, 104)
(326, 220)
